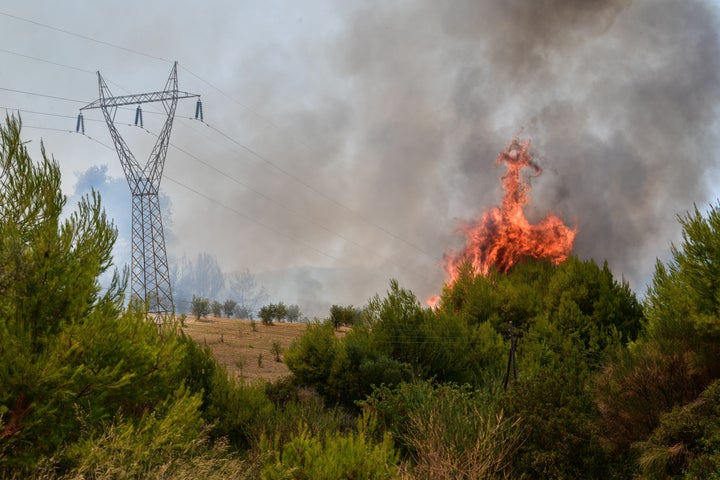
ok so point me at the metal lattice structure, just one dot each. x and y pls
(150, 274)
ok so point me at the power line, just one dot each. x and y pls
(136, 52)
(84, 37)
(45, 61)
(64, 130)
(57, 64)
(35, 112)
(35, 94)
(235, 211)
(319, 192)
(243, 105)
(288, 208)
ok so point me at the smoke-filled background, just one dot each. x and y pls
(345, 141)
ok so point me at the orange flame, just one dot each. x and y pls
(503, 236)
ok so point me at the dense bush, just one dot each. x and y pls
(675, 358)
(238, 411)
(686, 442)
(331, 456)
(343, 370)
(555, 405)
(440, 345)
(447, 431)
(345, 316)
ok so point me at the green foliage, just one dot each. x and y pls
(344, 316)
(216, 308)
(72, 363)
(90, 390)
(693, 266)
(675, 358)
(556, 408)
(310, 357)
(299, 407)
(200, 307)
(276, 350)
(446, 430)
(197, 367)
(281, 311)
(686, 442)
(90, 373)
(293, 313)
(229, 307)
(359, 366)
(440, 345)
(576, 295)
(273, 311)
(683, 304)
(568, 319)
(576, 301)
(238, 411)
(171, 431)
(343, 370)
(48, 265)
(395, 321)
(332, 456)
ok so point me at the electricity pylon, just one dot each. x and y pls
(150, 274)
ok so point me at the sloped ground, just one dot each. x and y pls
(245, 351)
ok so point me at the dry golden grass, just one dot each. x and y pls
(235, 343)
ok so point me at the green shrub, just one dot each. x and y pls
(330, 457)
(345, 316)
(238, 411)
(130, 449)
(446, 431)
(310, 357)
(91, 372)
(686, 443)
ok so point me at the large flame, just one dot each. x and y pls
(503, 236)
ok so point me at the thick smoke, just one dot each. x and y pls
(398, 112)
(619, 99)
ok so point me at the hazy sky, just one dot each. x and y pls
(344, 141)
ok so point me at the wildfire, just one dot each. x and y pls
(503, 236)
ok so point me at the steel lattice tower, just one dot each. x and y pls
(150, 274)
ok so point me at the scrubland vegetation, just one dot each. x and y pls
(606, 387)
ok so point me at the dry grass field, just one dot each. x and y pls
(244, 350)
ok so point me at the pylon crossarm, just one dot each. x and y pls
(139, 98)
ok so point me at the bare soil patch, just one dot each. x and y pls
(245, 351)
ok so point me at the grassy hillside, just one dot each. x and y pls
(234, 341)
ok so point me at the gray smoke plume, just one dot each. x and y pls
(619, 99)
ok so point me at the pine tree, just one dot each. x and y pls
(72, 360)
